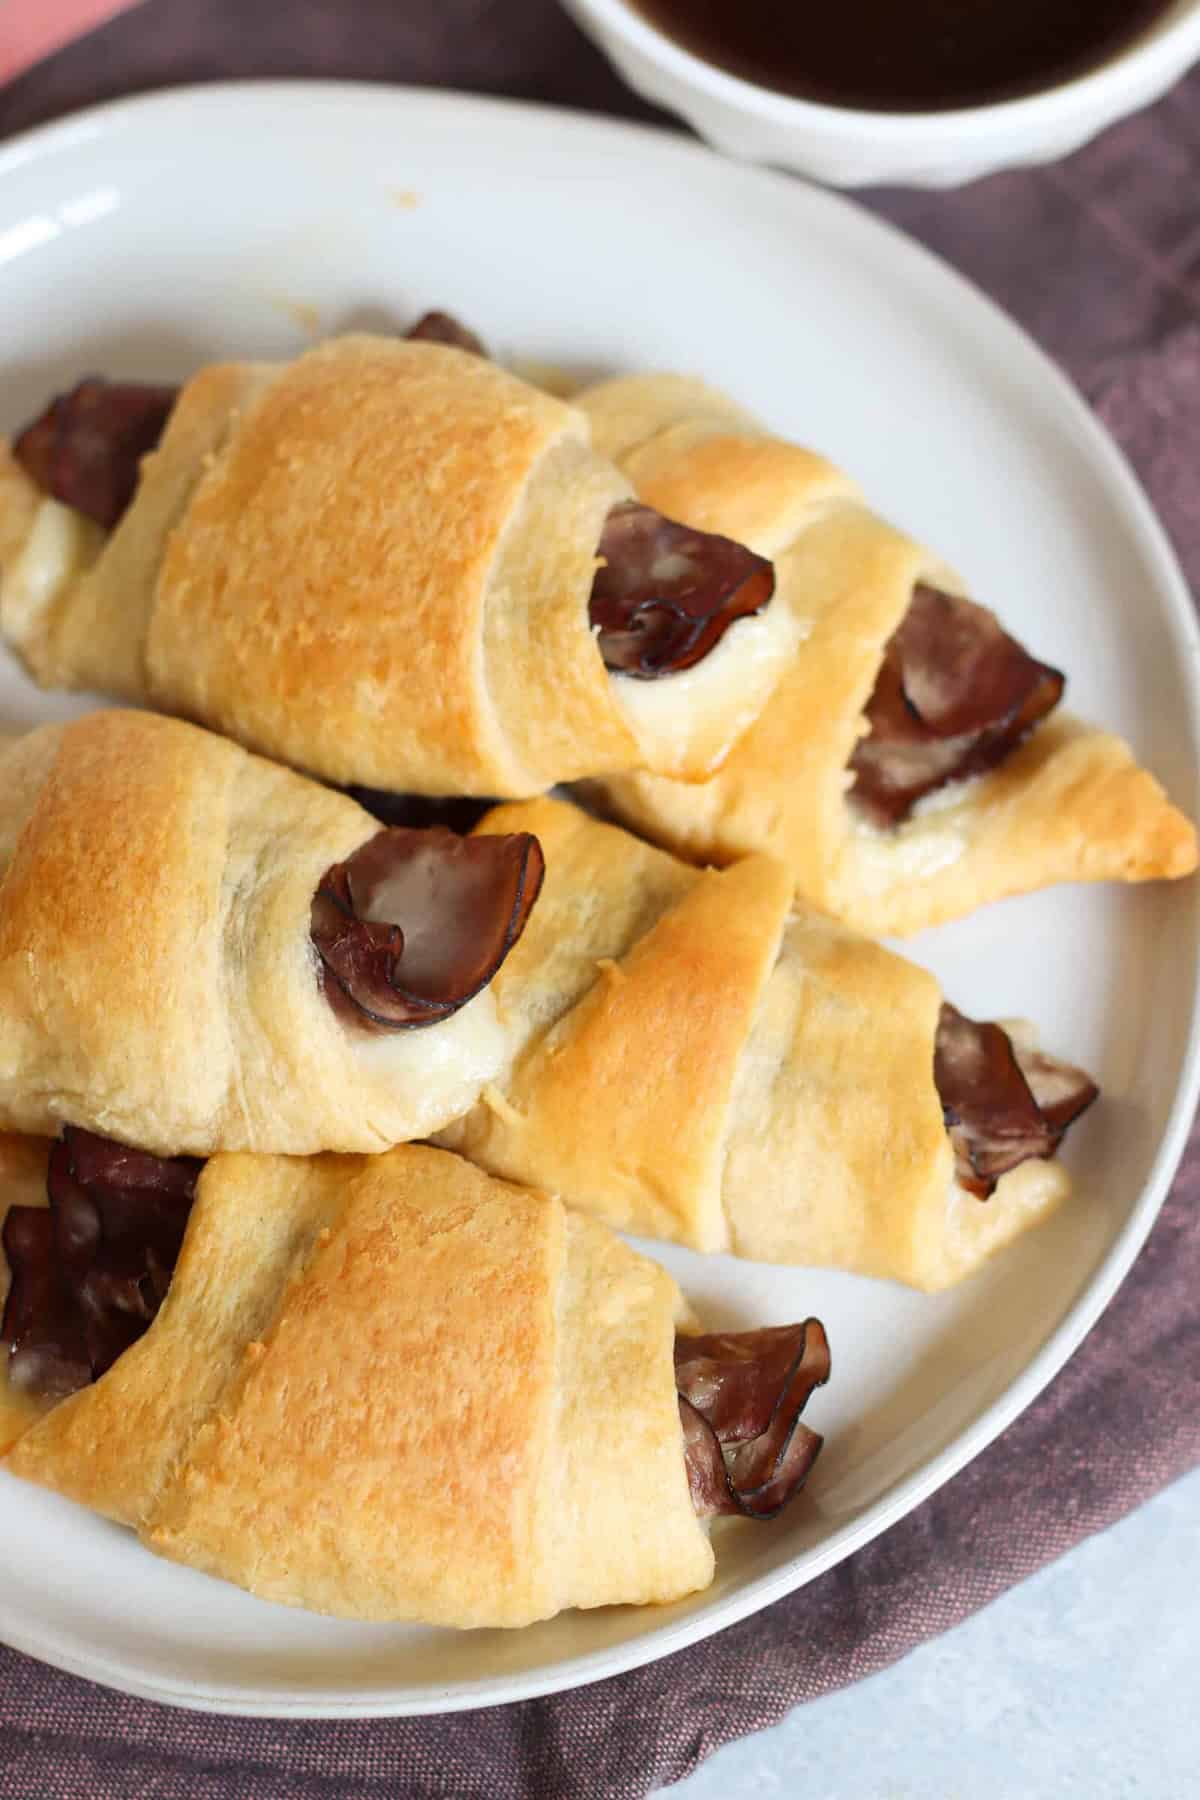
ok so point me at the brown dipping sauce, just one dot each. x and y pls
(919, 56)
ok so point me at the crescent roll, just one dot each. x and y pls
(381, 563)
(692, 1059)
(181, 965)
(1066, 802)
(392, 1388)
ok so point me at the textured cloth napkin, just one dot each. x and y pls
(1099, 258)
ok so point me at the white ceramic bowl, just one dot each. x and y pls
(850, 148)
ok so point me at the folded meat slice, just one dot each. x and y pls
(89, 1273)
(954, 695)
(665, 595)
(416, 922)
(86, 448)
(741, 1394)
(1003, 1105)
(443, 328)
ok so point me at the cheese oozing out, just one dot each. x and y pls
(687, 723)
(933, 837)
(443, 1065)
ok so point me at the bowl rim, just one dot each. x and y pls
(1163, 48)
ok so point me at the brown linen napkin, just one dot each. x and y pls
(1100, 258)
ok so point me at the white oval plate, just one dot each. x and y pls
(148, 237)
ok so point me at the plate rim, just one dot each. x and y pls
(101, 121)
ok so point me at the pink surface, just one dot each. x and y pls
(31, 29)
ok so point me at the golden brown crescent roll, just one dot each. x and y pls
(395, 1388)
(692, 1060)
(375, 563)
(160, 975)
(1069, 804)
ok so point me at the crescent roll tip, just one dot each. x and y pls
(1070, 804)
(693, 1057)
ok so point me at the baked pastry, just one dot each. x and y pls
(385, 1387)
(907, 768)
(200, 950)
(690, 1059)
(388, 563)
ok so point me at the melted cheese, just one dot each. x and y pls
(912, 852)
(62, 545)
(448, 1062)
(686, 724)
(935, 834)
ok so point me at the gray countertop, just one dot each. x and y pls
(1081, 1684)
